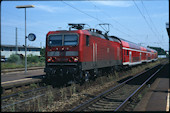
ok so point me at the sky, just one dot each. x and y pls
(139, 21)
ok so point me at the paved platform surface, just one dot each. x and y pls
(157, 98)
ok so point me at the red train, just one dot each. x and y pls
(78, 54)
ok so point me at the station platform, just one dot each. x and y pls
(12, 78)
(158, 96)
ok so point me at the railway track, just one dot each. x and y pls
(110, 100)
(22, 97)
(116, 98)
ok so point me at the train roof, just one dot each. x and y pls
(132, 45)
(125, 43)
(96, 33)
(104, 37)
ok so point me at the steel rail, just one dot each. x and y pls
(15, 85)
(21, 101)
(85, 104)
(24, 92)
(137, 90)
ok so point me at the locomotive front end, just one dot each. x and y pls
(62, 53)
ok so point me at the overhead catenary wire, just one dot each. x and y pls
(82, 11)
(116, 22)
(92, 17)
(112, 18)
(123, 25)
(143, 16)
(153, 25)
(149, 17)
(145, 20)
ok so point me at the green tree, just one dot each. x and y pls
(42, 52)
(14, 58)
(32, 59)
(159, 50)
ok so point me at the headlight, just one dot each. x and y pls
(73, 59)
(49, 59)
(76, 59)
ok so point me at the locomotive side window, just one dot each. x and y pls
(70, 40)
(55, 40)
(127, 52)
(87, 40)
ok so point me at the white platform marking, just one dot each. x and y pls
(167, 105)
(16, 80)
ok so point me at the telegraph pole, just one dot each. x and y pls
(41, 44)
(16, 41)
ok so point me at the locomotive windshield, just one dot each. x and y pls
(55, 40)
(63, 40)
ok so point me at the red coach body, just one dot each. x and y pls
(134, 54)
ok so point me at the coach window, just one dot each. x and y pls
(127, 52)
(87, 40)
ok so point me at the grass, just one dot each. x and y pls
(63, 93)
(28, 108)
(110, 77)
(72, 89)
(140, 96)
(39, 104)
(12, 108)
(50, 97)
(7, 65)
(33, 85)
(21, 94)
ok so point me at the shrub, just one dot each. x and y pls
(32, 59)
(42, 59)
(14, 58)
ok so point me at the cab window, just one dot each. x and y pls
(70, 40)
(55, 40)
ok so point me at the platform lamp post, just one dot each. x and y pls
(19, 7)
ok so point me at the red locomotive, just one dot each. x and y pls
(78, 54)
